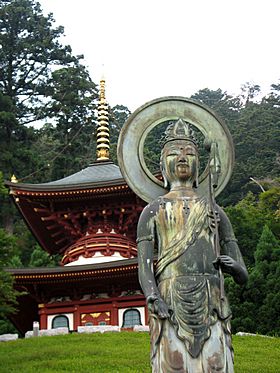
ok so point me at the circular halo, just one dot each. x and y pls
(145, 118)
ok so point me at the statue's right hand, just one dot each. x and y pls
(161, 309)
(157, 306)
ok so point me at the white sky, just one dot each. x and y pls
(155, 48)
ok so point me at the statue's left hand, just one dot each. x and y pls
(227, 264)
(232, 267)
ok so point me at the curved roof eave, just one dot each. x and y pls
(56, 187)
(99, 174)
(71, 269)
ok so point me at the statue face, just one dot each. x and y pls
(179, 161)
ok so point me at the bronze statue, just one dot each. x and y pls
(185, 244)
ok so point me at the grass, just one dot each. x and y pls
(118, 352)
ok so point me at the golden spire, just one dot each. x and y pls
(14, 179)
(103, 142)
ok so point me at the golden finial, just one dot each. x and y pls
(103, 142)
(14, 179)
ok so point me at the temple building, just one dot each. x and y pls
(90, 219)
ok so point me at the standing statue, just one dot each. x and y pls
(185, 244)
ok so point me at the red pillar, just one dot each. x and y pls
(146, 315)
(43, 316)
(114, 314)
(77, 317)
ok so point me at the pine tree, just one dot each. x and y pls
(266, 276)
(40, 258)
(8, 249)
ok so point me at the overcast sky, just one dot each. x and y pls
(155, 48)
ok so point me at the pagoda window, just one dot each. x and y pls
(131, 318)
(89, 324)
(60, 321)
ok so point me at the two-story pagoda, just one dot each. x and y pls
(89, 218)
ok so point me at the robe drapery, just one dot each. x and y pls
(196, 337)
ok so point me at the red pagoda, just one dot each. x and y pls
(89, 218)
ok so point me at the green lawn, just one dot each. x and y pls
(119, 352)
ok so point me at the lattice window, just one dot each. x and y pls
(131, 317)
(60, 321)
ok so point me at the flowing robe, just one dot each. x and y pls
(196, 337)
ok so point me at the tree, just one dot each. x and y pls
(40, 79)
(30, 52)
(257, 225)
(256, 306)
(8, 295)
(250, 122)
(71, 109)
(264, 287)
(118, 115)
(3, 190)
(25, 241)
(13, 138)
(39, 258)
(256, 140)
(249, 92)
(269, 204)
(225, 105)
(8, 124)
(15, 141)
(228, 108)
(7, 210)
(247, 220)
(9, 256)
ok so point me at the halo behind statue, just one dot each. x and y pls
(144, 119)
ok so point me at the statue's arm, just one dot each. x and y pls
(145, 248)
(230, 260)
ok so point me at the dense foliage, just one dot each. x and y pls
(42, 84)
(256, 222)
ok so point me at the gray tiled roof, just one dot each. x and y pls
(96, 174)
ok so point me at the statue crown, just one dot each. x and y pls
(180, 130)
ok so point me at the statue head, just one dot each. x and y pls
(179, 155)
